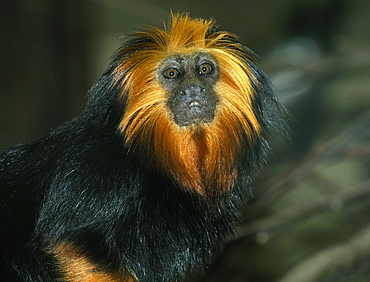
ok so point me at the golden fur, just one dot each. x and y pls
(200, 157)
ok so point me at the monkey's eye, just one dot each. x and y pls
(171, 73)
(205, 68)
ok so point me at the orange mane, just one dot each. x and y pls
(201, 158)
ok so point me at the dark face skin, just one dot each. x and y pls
(189, 80)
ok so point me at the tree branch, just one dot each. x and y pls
(349, 258)
(353, 141)
(266, 227)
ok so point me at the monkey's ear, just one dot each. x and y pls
(270, 112)
(103, 100)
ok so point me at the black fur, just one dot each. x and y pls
(80, 184)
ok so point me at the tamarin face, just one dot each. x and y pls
(189, 82)
(191, 106)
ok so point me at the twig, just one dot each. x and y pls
(350, 258)
(275, 224)
(350, 142)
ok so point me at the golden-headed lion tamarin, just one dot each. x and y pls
(145, 184)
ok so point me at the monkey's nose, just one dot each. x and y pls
(193, 91)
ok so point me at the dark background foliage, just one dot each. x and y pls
(310, 217)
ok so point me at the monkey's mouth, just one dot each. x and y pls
(195, 109)
(194, 112)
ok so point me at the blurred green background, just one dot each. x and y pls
(310, 219)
